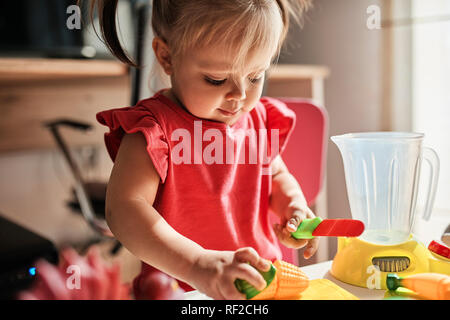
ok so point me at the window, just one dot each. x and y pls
(431, 87)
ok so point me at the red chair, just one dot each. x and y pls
(305, 154)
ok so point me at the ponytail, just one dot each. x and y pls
(107, 11)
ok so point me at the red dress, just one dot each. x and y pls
(212, 190)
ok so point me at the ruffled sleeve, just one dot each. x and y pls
(132, 120)
(281, 119)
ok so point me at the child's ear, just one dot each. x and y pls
(162, 53)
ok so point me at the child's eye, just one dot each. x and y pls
(255, 80)
(215, 82)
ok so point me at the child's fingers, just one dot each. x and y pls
(311, 249)
(292, 225)
(294, 221)
(295, 218)
(309, 213)
(246, 272)
(286, 239)
(250, 255)
(229, 292)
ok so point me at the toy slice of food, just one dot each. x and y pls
(316, 227)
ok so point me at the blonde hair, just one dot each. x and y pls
(242, 25)
(184, 24)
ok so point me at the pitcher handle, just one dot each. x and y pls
(433, 160)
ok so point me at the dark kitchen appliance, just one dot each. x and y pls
(59, 28)
(20, 248)
(40, 28)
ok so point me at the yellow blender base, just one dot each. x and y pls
(366, 264)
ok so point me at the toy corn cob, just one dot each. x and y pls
(284, 280)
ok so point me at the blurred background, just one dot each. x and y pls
(375, 65)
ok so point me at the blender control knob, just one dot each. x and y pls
(439, 249)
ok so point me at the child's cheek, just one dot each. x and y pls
(252, 99)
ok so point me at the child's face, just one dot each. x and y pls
(204, 82)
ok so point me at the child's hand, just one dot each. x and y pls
(294, 217)
(214, 272)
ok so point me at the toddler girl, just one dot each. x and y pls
(197, 167)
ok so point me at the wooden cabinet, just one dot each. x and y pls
(303, 81)
(34, 91)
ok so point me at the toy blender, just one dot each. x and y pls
(382, 173)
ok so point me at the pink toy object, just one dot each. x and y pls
(77, 278)
(88, 278)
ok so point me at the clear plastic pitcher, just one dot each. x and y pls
(382, 173)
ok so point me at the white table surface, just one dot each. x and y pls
(316, 271)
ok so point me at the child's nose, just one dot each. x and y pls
(237, 92)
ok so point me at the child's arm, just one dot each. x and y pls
(289, 203)
(141, 229)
